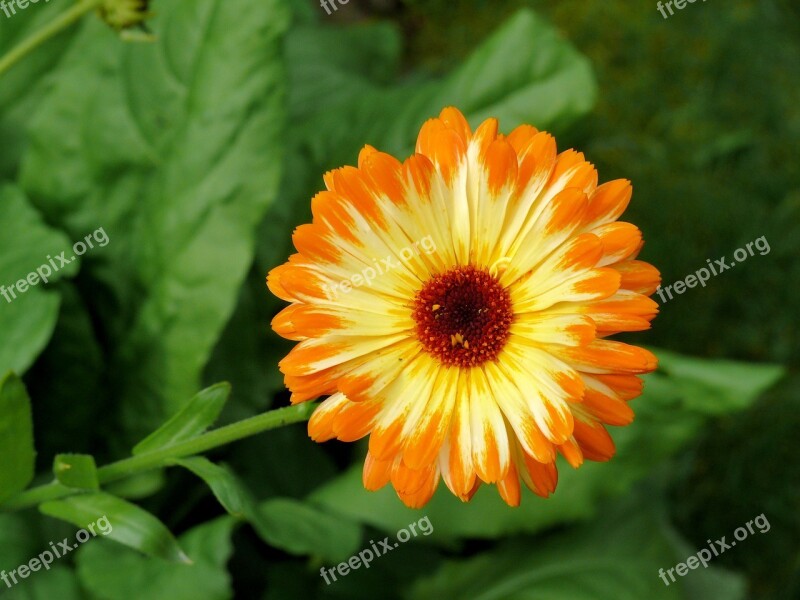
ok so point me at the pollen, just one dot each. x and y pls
(463, 316)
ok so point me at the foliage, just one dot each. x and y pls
(198, 153)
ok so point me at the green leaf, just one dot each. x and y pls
(223, 483)
(113, 572)
(548, 84)
(283, 523)
(174, 148)
(324, 67)
(27, 318)
(669, 414)
(200, 413)
(23, 86)
(76, 470)
(130, 525)
(71, 366)
(137, 486)
(17, 453)
(304, 529)
(719, 386)
(56, 582)
(18, 532)
(618, 556)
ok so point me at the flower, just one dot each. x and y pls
(482, 353)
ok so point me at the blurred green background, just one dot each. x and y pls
(198, 154)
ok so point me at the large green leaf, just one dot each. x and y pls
(173, 148)
(129, 525)
(17, 453)
(27, 318)
(322, 66)
(200, 413)
(618, 556)
(547, 83)
(22, 87)
(113, 572)
(668, 415)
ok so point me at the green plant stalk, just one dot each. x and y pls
(58, 24)
(158, 458)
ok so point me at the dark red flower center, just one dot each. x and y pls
(463, 316)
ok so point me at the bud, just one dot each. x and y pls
(125, 14)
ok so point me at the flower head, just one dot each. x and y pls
(455, 309)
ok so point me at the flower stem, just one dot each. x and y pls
(158, 458)
(61, 22)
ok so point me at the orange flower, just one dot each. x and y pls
(455, 308)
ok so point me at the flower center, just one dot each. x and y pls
(463, 316)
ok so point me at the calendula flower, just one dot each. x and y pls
(455, 309)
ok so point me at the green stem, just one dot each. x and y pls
(61, 22)
(158, 458)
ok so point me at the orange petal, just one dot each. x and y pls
(484, 135)
(420, 497)
(626, 387)
(606, 408)
(638, 276)
(295, 283)
(299, 322)
(330, 210)
(387, 441)
(620, 240)
(422, 445)
(501, 163)
(383, 174)
(443, 146)
(406, 480)
(350, 183)
(608, 202)
(541, 478)
(572, 452)
(537, 159)
(605, 356)
(320, 425)
(458, 470)
(490, 447)
(376, 473)
(314, 242)
(595, 442)
(508, 487)
(572, 170)
(521, 136)
(356, 420)
(454, 119)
